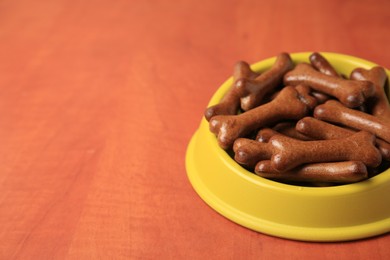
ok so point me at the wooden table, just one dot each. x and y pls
(98, 102)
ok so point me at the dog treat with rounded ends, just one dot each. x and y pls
(243, 70)
(351, 93)
(322, 65)
(252, 91)
(334, 172)
(379, 104)
(290, 153)
(284, 128)
(287, 105)
(305, 96)
(249, 152)
(321, 97)
(333, 111)
(230, 102)
(264, 134)
(321, 130)
(288, 129)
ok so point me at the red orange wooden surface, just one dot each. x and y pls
(98, 100)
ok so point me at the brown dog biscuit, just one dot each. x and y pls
(321, 130)
(243, 70)
(322, 64)
(230, 103)
(264, 134)
(351, 93)
(333, 111)
(379, 103)
(288, 129)
(284, 128)
(290, 153)
(252, 91)
(320, 97)
(334, 172)
(305, 96)
(288, 104)
(248, 152)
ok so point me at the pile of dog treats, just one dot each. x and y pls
(305, 123)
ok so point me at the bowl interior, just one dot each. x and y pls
(344, 64)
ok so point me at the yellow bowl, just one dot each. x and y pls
(338, 213)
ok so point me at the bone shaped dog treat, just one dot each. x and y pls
(288, 129)
(289, 104)
(334, 111)
(305, 95)
(252, 91)
(290, 153)
(379, 104)
(335, 172)
(264, 134)
(318, 129)
(248, 152)
(322, 65)
(351, 93)
(321, 97)
(230, 102)
(321, 130)
(243, 70)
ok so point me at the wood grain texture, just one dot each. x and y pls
(98, 102)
